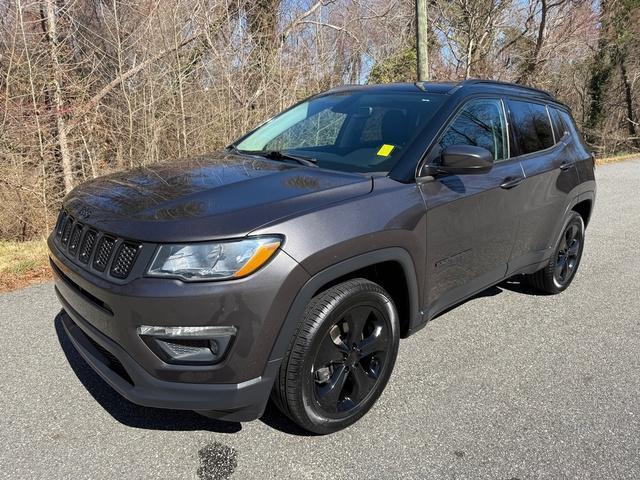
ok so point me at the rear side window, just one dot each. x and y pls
(480, 123)
(568, 124)
(531, 126)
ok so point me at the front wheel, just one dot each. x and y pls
(341, 357)
(559, 272)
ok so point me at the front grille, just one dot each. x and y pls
(66, 231)
(87, 246)
(62, 218)
(109, 255)
(124, 260)
(103, 253)
(74, 241)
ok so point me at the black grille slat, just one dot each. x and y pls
(103, 253)
(62, 218)
(124, 260)
(74, 239)
(86, 248)
(66, 232)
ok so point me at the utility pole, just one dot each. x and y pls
(421, 40)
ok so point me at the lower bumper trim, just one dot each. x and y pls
(233, 402)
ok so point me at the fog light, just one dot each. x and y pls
(188, 345)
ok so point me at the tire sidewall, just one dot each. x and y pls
(574, 217)
(319, 422)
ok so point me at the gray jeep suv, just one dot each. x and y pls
(289, 265)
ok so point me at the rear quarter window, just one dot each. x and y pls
(568, 125)
(531, 125)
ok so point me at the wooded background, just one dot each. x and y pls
(88, 87)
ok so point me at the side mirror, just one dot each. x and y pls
(464, 159)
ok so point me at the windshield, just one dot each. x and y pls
(348, 131)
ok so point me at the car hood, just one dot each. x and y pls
(208, 197)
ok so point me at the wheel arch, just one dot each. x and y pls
(371, 265)
(584, 207)
(581, 203)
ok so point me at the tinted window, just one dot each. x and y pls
(531, 126)
(314, 131)
(568, 124)
(480, 123)
(558, 129)
(373, 130)
(354, 131)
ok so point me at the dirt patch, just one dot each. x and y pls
(23, 264)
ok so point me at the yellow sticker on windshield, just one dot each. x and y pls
(385, 150)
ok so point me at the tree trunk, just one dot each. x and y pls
(532, 62)
(631, 123)
(469, 57)
(58, 104)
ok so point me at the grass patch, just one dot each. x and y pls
(23, 263)
(617, 158)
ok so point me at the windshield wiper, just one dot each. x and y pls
(280, 155)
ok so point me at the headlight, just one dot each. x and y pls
(215, 260)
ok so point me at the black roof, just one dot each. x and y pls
(452, 87)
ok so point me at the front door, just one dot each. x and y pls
(472, 219)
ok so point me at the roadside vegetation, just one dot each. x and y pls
(617, 158)
(88, 88)
(23, 263)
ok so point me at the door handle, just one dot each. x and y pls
(511, 182)
(564, 166)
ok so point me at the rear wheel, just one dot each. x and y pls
(558, 274)
(340, 358)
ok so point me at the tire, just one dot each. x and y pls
(340, 358)
(561, 269)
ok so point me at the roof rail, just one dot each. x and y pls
(475, 81)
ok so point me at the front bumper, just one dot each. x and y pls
(101, 319)
(232, 402)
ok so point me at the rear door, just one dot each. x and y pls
(471, 219)
(549, 166)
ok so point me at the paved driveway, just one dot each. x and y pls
(508, 385)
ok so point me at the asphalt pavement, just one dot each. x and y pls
(509, 385)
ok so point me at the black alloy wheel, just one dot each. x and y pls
(557, 275)
(567, 255)
(350, 359)
(340, 358)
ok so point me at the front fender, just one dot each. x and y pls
(306, 292)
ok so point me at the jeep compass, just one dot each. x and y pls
(289, 265)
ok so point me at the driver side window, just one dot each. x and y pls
(480, 123)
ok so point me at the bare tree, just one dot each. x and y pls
(87, 87)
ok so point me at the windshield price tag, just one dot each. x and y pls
(385, 150)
